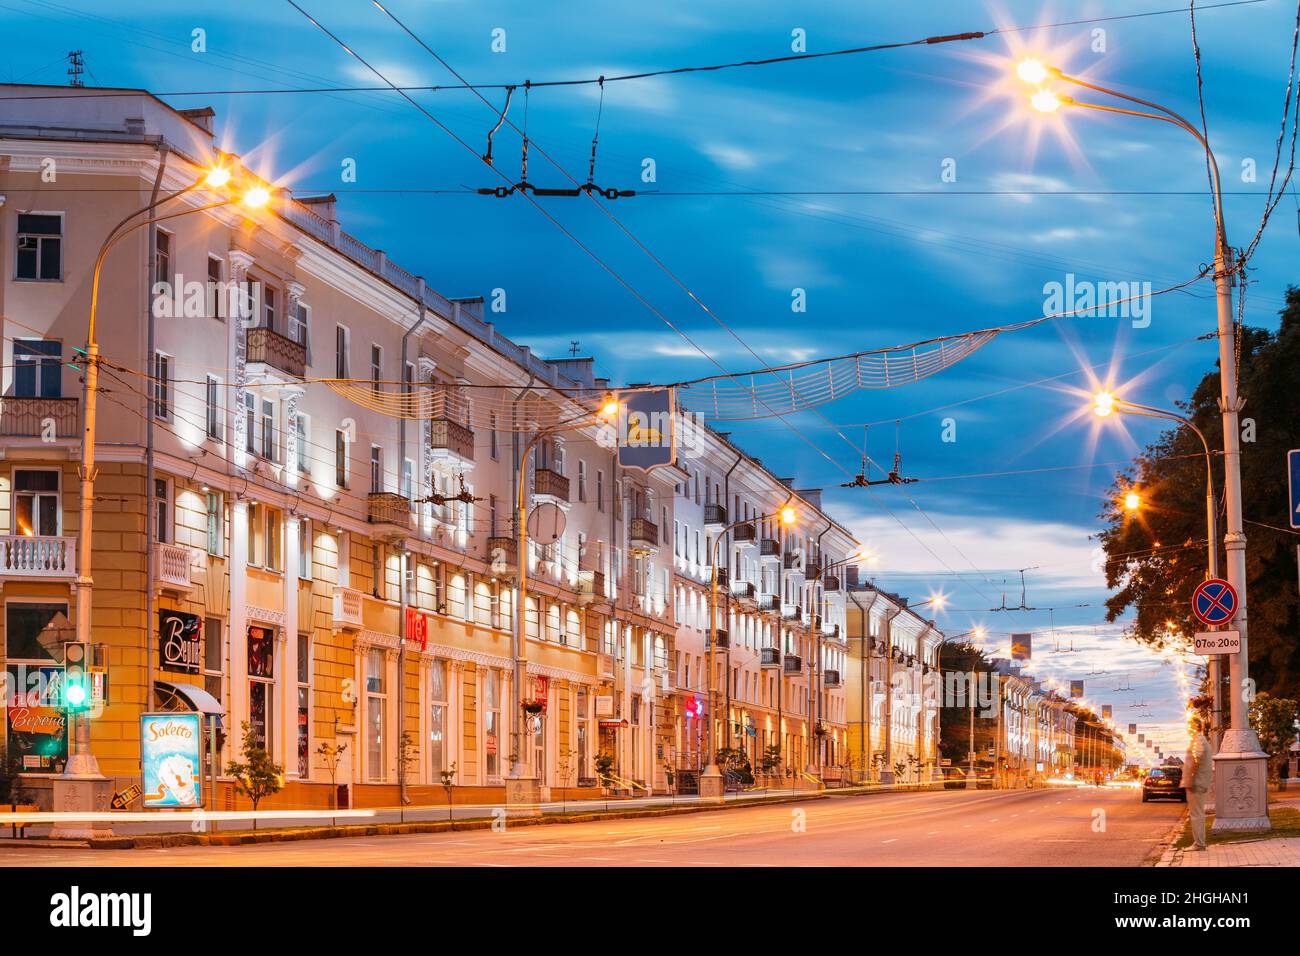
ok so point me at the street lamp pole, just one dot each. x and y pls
(712, 785)
(81, 785)
(1240, 764)
(1105, 403)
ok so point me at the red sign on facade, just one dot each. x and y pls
(417, 627)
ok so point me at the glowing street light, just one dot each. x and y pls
(1103, 404)
(1046, 101)
(256, 198)
(1032, 71)
(1132, 501)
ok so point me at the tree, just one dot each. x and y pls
(257, 777)
(605, 768)
(407, 754)
(1155, 559)
(332, 754)
(736, 761)
(1274, 719)
(956, 661)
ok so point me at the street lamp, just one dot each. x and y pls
(1104, 404)
(979, 633)
(1240, 757)
(711, 783)
(76, 786)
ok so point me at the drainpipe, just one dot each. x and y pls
(864, 671)
(403, 554)
(151, 517)
(726, 658)
(519, 618)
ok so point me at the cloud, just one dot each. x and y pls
(729, 157)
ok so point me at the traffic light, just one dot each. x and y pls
(76, 677)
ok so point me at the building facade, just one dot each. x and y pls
(308, 469)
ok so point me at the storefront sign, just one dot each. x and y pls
(417, 627)
(179, 645)
(37, 728)
(171, 756)
(605, 706)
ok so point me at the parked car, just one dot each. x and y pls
(954, 777)
(1164, 783)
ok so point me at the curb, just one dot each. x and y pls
(252, 837)
(1165, 853)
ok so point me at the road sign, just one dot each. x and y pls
(1217, 642)
(1214, 601)
(546, 523)
(1293, 484)
(123, 798)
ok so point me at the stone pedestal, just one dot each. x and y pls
(712, 786)
(1240, 783)
(77, 790)
(523, 797)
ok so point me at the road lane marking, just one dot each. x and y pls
(893, 840)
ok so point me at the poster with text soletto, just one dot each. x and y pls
(171, 755)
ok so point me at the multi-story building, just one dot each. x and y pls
(304, 515)
(778, 663)
(1035, 738)
(894, 687)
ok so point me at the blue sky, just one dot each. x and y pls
(878, 270)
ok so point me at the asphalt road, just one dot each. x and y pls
(1075, 827)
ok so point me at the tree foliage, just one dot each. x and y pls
(956, 661)
(1156, 557)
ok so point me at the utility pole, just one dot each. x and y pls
(76, 68)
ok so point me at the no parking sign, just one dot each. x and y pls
(1214, 602)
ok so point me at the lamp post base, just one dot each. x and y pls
(1240, 783)
(81, 787)
(523, 797)
(712, 786)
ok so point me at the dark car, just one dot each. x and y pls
(1164, 782)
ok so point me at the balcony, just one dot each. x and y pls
(42, 418)
(769, 550)
(793, 664)
(831, 632)
(25, 556)
(830, 583)
(792, 561)
(812, 572)
(792, 614)
(745, 591)
(171, 567)
(591, 587)
(389, 508)
(715, 518)
(347, 609)
(745, 536)
(771, 657)
(769, 603)
(724, 578)
(831, 679)
(501, 555)
(452, 443)
(643, 534)
(270, 348)
(724, 639)
(550, 486)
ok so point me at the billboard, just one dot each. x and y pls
(1076, 688)
(1132, 729)
(1022, 647)
(1107, 711)
(171, 758)
(179, 643)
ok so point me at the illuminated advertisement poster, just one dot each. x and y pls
(37, 737)
(1076, 688)
(171, 757)
(1022, 647)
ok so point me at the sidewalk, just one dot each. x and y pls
(1281, 848)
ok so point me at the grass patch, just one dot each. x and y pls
(1286, 823)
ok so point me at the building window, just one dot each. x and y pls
(408, 480)
(491, 722)
(437, 720)
(305, 556)
(250, 423)
(271, 540)
(254, 520)
(162, 257)
(212, 402)
(36, 503)
(376, 469)
(340, 458)
(40, 246)
(268, 307)
(582, 480)
(600, 490)
(268, 430)
(213, 656)
(376, 714)
(377, 570)
(376, 366)
(492, 436)
(216, 523)
(302, 429)
(162, 511)
(341, 364)
(161, 385)
(304, 705)
(216, 301)
(38, 368)
(261, 685)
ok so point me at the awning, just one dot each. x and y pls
(613, 723)
(188, 697)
